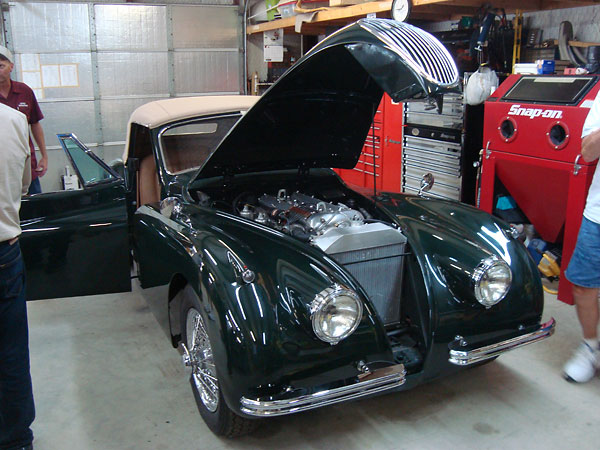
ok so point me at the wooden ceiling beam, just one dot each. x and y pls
(417, 3)
(429, 17)
(446, 9)
(563, 4)
(526, 5)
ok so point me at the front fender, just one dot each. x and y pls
(262, 328)
(448, 240)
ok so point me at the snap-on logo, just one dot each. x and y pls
(532, 113)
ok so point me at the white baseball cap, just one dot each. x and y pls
(7, 54)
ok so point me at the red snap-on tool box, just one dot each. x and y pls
(532, 146)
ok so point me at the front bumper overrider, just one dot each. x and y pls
(379, 380)
(465, 356)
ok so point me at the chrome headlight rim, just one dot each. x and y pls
(484, 268)
(324, 299)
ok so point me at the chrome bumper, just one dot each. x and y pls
(378, 381)
(466, 357)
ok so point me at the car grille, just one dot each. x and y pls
(379, 272)
(418, 48)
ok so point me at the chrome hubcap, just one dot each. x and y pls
(201, 360)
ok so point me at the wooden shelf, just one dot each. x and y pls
(430, 10)
(325, 17)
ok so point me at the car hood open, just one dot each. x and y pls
(319, 112)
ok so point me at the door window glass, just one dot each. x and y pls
(88, 167)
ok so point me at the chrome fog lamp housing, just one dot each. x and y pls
(335, 313)
(491, 280)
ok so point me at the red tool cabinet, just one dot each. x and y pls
(381, 155)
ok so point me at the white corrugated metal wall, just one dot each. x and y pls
(92, 64)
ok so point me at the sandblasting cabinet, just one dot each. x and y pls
(531, 149)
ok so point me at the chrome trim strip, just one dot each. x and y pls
(378, 381)
(466, 357)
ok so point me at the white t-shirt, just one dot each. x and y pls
(592, 204)
(15, 169)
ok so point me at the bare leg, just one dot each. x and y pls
(586, 303)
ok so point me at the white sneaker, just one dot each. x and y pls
(582, 367)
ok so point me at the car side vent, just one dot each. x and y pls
(422, 51)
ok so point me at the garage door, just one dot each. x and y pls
(92, 64)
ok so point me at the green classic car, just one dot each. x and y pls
(285, 289)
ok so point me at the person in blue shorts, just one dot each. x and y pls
(584, 268)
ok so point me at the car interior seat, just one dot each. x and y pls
(148, 184)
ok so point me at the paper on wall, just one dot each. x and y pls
(68, 75)
(50, 75)
(32, 79)
(273, 45)
(30, 62)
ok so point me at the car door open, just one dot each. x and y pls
(76, 242)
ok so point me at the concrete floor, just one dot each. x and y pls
(106, 377)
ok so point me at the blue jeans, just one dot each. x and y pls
(16, 395)
(35, 187)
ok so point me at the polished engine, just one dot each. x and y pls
(372, 251)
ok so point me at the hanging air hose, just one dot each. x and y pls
(567, 52)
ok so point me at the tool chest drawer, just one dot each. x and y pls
(433, 143)
(452, 106)
(444, 186)
(434, 120)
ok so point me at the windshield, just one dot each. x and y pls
(188, 145)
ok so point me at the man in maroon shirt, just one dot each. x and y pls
(20, 97)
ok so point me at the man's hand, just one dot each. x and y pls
(42, 166)
(38, 136)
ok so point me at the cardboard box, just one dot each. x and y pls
(526, 68)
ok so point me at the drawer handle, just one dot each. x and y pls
(437, 183)
(366, 171)
(455, 173)
(369, 164)
(422, 162)
(429, 194)
(408, 151)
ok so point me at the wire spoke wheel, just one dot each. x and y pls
(203, 367)
(206, 387)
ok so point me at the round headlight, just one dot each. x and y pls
(335, 313)
(491, 280)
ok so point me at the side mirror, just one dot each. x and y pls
(170, 206)
(426, 183)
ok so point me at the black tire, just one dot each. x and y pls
(219, 418)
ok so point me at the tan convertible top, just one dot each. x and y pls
(160, 112)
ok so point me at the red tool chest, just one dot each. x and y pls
(380, 158)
